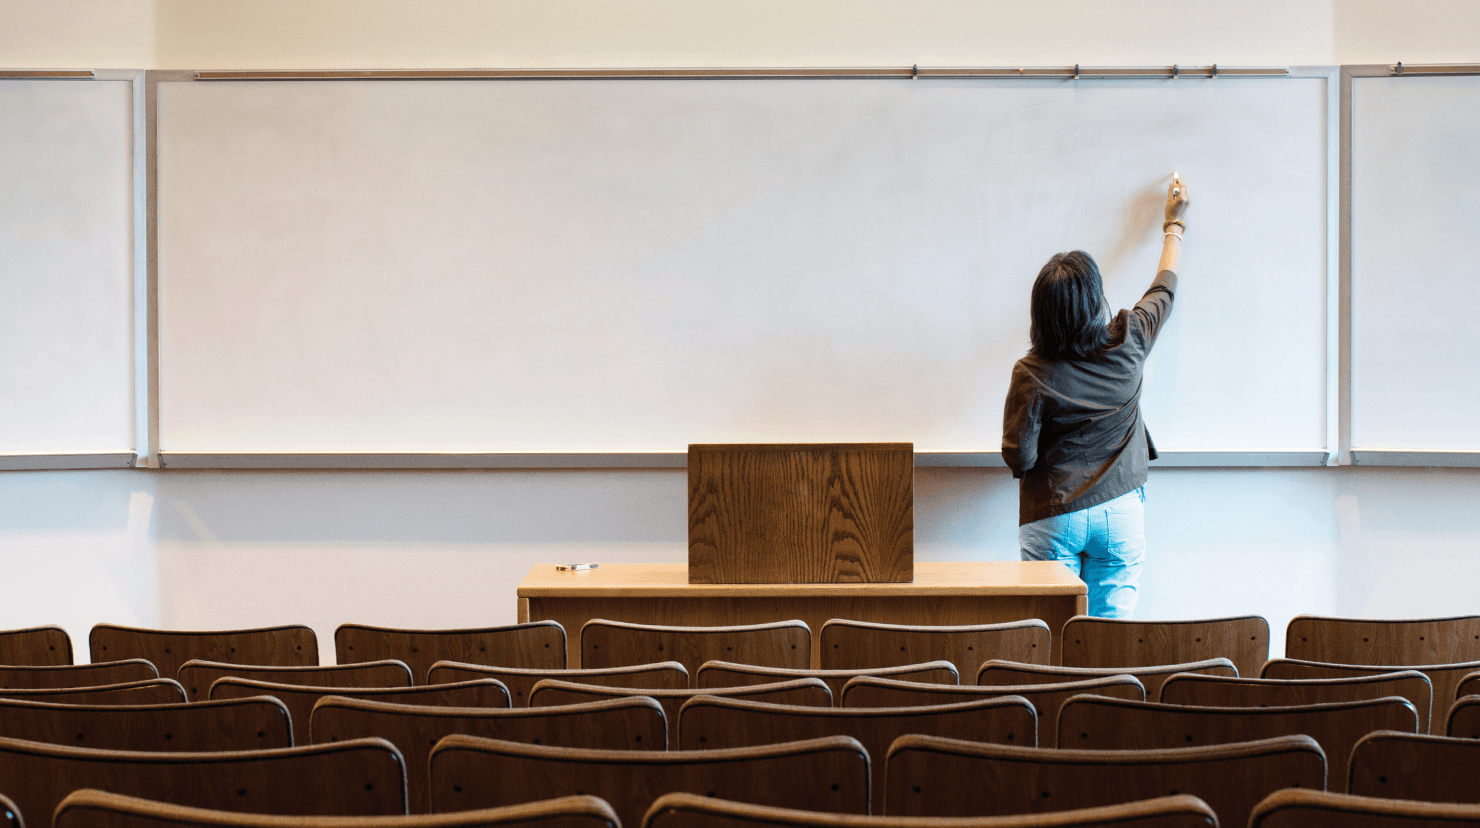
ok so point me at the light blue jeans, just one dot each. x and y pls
(1103, 545)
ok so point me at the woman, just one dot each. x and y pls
(1072, 432)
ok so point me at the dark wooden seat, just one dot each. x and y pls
(1097, 723)
(96, 809)
(618, 644)
(1410, 766)
(240, 724)
(10, 815)
(301, 699)
(807, 692)
(365, 777)
(851, 645)
(866, 691)
(76, 675)
(715, 674)
(1443, 678)
(1009, 672)
(1236, 691)
(816, 775)
(1323, 809)
(1469, 685)
(710, 722)
(663, 675)
(537, 645)
(148, 691)
(197, 676)
(1118, 642)
(682, 810)
(36, 647)
(1373, 641)
(1463, 721)
(288, 646)
(924, 774)
(635, 723)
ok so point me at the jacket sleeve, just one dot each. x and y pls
(1156, 305)
(1021, 423)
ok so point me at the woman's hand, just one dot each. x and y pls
(1177, 199)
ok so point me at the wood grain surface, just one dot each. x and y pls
(286, 646)
(240, 724)
(197, 676)
(1237, 691)
(1368, 641)
(726, 674)
(801, 513)
(535, 645)
(848, 644)
(664, 675)
(145, 691)
(1408, 766)
(803, 692)
(1151, 678)
(77, 675)
(36, 647)
(301, 699)
(606, 643)
(1295, 808)
(1112, 642)
(1443, 678)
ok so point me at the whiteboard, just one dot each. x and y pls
(1415, 263)
(634, 265)
(66, 266)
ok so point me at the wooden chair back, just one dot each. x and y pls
(1443, 678)
(197, 676)
(924, 776)
(287, 646)
(807, 692)
(365, 777)
(663, 675)
(148, 691)
(1371, 641)
(618, 643)
(635, 723)
(76, 675)
(1118, 642)
(258, 723)
(96, 809)
(1010, 672)
(852, 645)
(1046, 699)
(1323, 809)
(1097, 723)
(710, 722)
(1463, 721)
(716, 674)
(828, 775)
(300, 700)
(1236, 691)
(1414, 766)
(36, 647)
(537, 645)
(10, 815)
(1469, 685)
(682, 810)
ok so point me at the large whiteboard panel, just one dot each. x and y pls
(66, 266)
(633, 265)
(1415, 262)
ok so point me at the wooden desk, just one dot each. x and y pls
(973, 592)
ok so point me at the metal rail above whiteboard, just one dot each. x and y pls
(1075, 72)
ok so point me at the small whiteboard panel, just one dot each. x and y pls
(1415, 262)
(635, 265)
(66, 266)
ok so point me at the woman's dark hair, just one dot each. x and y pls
(1069, 312)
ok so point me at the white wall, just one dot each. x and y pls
(207, 549)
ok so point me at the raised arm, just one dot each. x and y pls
(1174, 227)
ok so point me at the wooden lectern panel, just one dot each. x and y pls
(801, 513)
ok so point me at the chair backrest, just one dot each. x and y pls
(1009, 672)
(147, 691)
(1443, 678)
(924, 776)
(197, 676)
(1236, 691)
(1371, 641)
(714, 674)
(537, 645)
(36, 647)
(664, 675)
(1046, 699)
(300, 700)
(851, 645)
(635, 723)
(10, 815)
(807, 692)
(682, 810)
(1118, 642)
(1464, 718)
(618, 643)
(710, 722)
(240, 724)
(1097, 723)
(365, 777)
(77, 675)
(96, 809)
(1469, 685)
(288, 646)
(1322, 809)
(817, 775)
(1410, 766)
